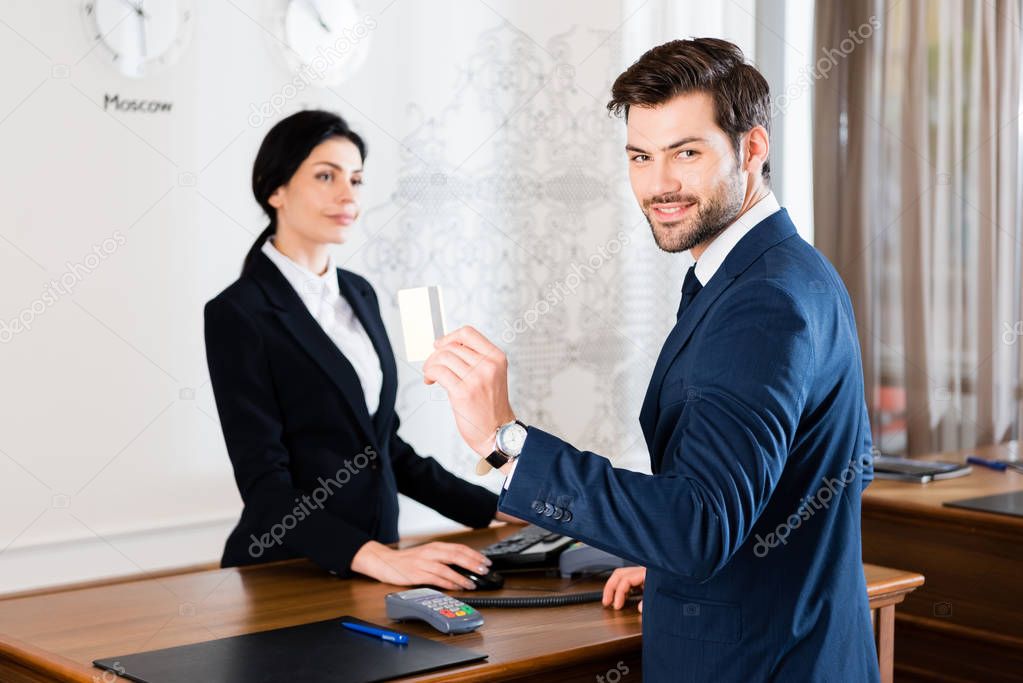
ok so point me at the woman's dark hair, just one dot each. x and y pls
(742, 98)
(283, 150)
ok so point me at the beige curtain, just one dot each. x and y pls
(917, 203)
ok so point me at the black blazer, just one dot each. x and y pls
(319, 477)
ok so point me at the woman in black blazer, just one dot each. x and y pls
(318, 473)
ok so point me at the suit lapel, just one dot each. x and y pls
(677, 338)
(360, 300)
(295, 317)
(764, 235)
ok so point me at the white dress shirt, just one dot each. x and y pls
(321, 294)
(714, 255)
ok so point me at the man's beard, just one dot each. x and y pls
(712, 216)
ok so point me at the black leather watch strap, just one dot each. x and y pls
(497, 459)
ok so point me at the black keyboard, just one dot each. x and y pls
(531, 548)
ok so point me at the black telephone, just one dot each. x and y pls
(530, 548)
(534, 548)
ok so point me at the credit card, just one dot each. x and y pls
(422, 320)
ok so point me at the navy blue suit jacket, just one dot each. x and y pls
(318, 475)
(760, 448)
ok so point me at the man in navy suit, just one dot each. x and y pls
(747, 532)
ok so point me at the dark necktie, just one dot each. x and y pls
(690, 288)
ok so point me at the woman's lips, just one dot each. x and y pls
(342, 218)
(669, 213)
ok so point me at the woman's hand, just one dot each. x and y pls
(423, 564)
(621, 583)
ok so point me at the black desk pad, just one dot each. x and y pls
(320, 652)
(1002, 504)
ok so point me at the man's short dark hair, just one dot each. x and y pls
(742, 98)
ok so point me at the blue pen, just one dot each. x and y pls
(389, 636)
(984, 462)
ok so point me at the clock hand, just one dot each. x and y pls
(137, 9)
(319, 19)
(142, 25)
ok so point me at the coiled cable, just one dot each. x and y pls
(536, 601)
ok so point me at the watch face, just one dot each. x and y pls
(511, 438)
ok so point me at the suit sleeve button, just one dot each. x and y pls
(558, 512)
(567, 517)
(548, 510)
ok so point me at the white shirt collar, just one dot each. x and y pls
(714, 255)
(304, 281)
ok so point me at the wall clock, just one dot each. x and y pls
(324, 40)
(139, 37)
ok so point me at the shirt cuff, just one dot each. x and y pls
(511, 473)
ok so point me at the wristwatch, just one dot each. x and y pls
(508, 443)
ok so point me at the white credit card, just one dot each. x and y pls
(422, 320)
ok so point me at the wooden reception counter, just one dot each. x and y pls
(54, 635)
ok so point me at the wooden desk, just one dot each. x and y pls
(966, 624)
(54, 636)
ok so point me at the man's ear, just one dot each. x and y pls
(758, 146)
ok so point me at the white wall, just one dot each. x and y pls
(111, 455)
